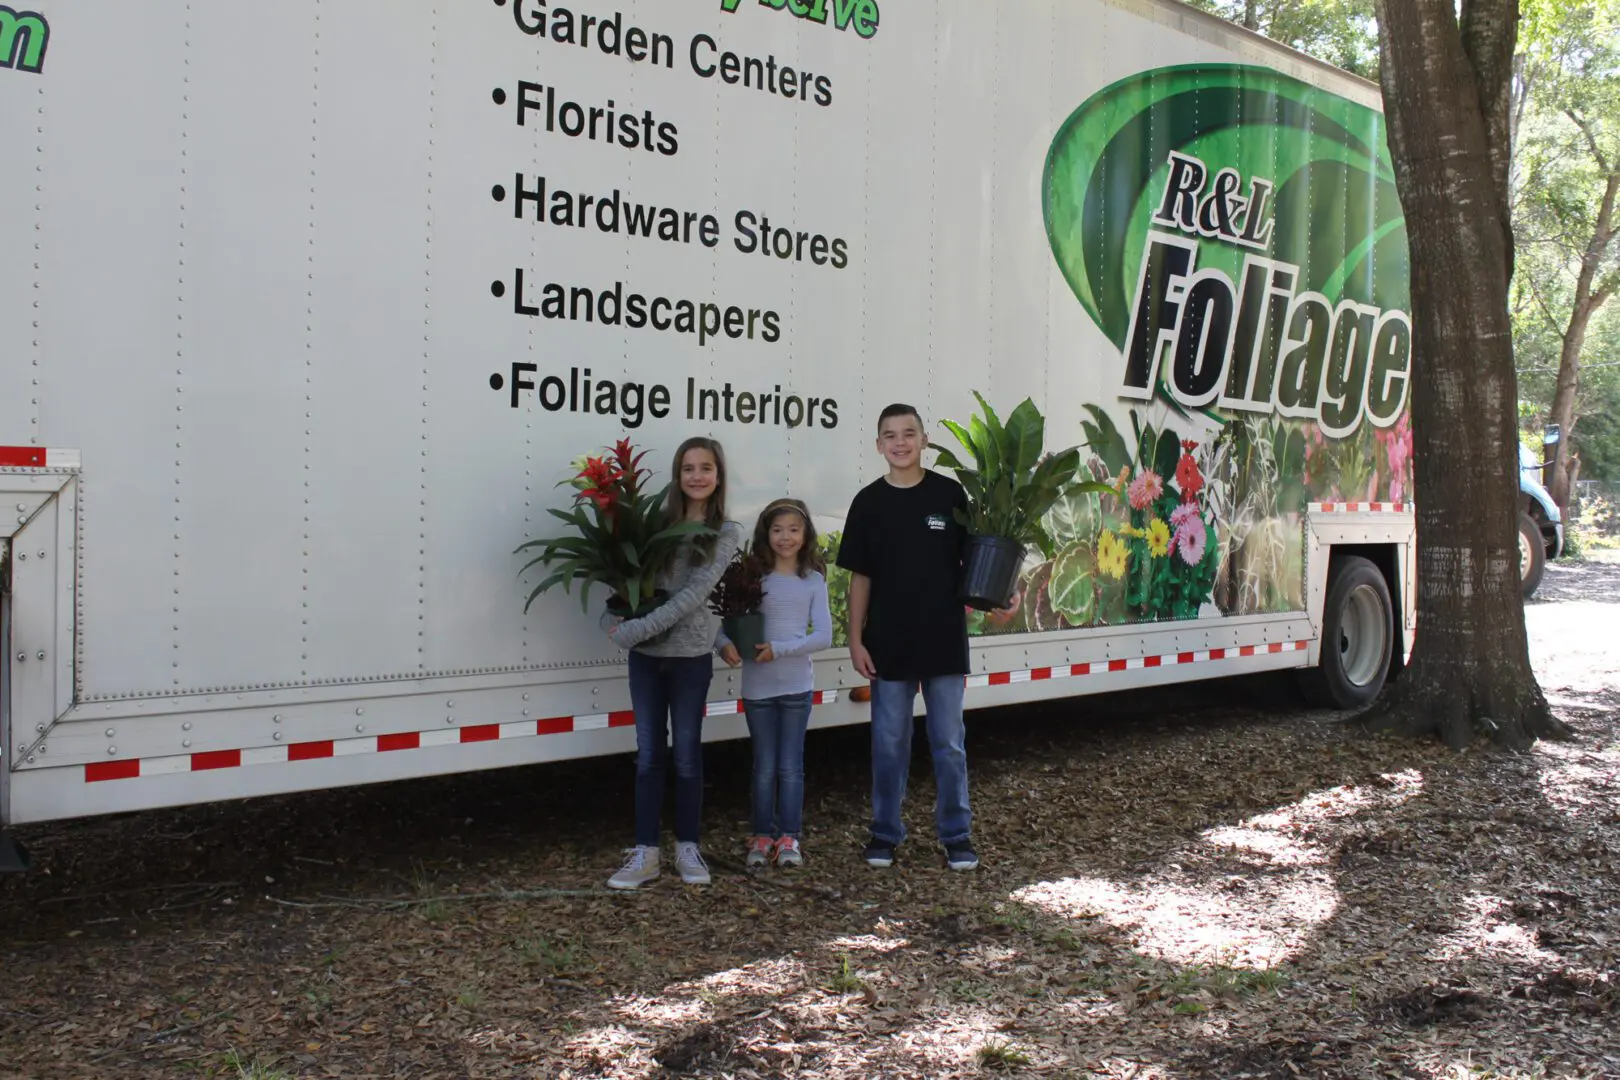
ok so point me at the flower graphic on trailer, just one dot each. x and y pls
(1191, 540)
(1145, 489)
(1158, 538)
(1397, 443)
(1111, 555)
(1188, 476)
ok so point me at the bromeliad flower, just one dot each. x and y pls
(1158, 538)
(599, 472)
(1190, 541)
(618, 535)
(600, 481)
(1145, 489)
(1111, 555)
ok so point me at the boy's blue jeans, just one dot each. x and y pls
(669, 692)
(776, 726)
(891, 756)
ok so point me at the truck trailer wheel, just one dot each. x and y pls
(1358, 637)
(1532, 556)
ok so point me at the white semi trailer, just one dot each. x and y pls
(307, 309)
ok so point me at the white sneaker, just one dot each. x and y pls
(694, 871)
(640, 868)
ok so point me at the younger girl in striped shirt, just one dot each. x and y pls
(778, 681)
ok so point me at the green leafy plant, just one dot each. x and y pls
(1011, 483)
(620, 536)
(845, 980)
(837, 587)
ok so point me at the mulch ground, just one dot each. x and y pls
(1211, 883)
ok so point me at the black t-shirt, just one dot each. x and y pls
(907, 541)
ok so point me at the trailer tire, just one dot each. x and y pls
(1532, 556)
(1358, 637)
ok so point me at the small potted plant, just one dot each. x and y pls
(621, 535)
(1010, 485)
(736, 598)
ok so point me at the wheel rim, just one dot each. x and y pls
(1527, 558)
(1363, 635)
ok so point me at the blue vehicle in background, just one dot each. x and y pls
(1541, 523)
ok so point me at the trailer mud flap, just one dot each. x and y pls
(38, 543)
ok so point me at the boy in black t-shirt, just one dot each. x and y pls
(908, 631)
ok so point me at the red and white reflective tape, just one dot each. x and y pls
(559, 725)
(1360, 507)
(1105, 667)
(381, 744)
(37, 457)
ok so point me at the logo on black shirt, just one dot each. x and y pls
(936, 522)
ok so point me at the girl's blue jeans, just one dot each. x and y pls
(776, 726)
(668, 694)
(891, 756)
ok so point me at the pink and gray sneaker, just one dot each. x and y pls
(787, 852)
(759, 850)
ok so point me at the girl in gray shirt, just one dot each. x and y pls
(671, 666)
(778, 682)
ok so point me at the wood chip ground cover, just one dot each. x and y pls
(1176, 885)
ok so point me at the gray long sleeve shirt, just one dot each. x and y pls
(692, 626)
(797, 624)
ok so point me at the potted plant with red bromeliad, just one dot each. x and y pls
(1010, 486)
(736, 598)
(621, 537)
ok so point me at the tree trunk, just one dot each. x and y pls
(1251, 14)
(1447, 103)
(1589, 296)
(1562, 412)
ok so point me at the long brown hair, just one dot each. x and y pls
(714, 514)
(809, 553)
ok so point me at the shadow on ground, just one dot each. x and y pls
(1176, 884)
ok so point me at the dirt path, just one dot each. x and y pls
(1220, 889)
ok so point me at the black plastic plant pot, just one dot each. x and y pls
(990, 573)
(617, 605)
(746, 632)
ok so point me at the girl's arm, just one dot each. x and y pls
(633, 632)
(820, 635)
(725, 648)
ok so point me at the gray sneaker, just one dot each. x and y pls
(694, 871)
(640, 868)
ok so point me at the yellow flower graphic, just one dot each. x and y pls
(1158, 538)
(1132, 531)
(1111, 555)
